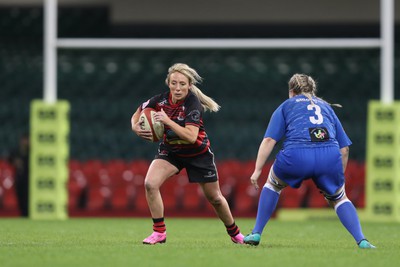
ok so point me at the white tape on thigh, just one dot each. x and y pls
(340, 203)
(338, 195)
(273, 184)
(272, 188)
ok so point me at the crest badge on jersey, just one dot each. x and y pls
(195, 115)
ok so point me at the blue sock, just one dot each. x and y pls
(266, 206)
(348, 216)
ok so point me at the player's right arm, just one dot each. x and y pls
(136, 126)
(264, 151)
(275, 131)
(135, 119)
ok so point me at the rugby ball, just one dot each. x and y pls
(147, 123)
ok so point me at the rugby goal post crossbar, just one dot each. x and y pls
(385, 43)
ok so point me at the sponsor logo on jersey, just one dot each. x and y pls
(162, 152)
(163, 102)
(181, 116)
(319, 134)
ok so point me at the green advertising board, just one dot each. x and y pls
(383, 162)
(49, 155)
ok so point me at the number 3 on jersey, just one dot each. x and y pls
(317, 111)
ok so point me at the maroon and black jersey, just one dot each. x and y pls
(186, 112)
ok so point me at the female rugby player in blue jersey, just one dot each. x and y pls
(185, 145)
(315, 146)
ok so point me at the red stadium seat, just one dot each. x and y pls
(193, 199)
(169, 195)
(291, 198)
(77, 186)
(115, 170)
(120, 198)
(316, 198)
(92, 169)
(355, 182)
(246, 200)
(139, 166)
(140, 200)
(99, 198)
(8, 197)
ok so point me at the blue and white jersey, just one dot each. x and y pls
(303, 124)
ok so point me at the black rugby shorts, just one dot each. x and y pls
(200, 168)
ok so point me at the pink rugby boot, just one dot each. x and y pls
(155, 238)
(238, 239)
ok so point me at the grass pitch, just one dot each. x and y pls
(191, 242)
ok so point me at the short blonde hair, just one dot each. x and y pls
(194, 78)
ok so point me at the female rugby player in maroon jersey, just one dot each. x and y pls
(185, 145)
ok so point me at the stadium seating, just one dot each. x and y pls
(292, 198)
(355, 183)
(117, 187)
(77, 186)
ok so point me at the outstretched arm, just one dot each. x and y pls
(264, 151)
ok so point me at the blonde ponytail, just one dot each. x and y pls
(207, 102)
